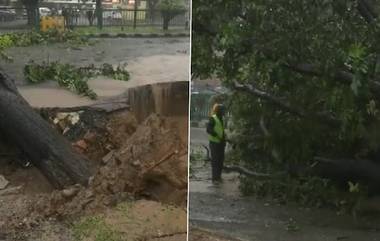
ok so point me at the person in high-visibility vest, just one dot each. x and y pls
(217, 138)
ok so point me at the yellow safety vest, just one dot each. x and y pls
(218, 129)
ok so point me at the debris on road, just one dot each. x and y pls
(3, 182)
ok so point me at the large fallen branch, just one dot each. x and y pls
(340, 75)
(250, 173)
(367, 11)
(243, 170)
(279, 102)
(348, 170)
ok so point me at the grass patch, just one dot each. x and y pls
(71, 77)
(96, 228)
(125, 208)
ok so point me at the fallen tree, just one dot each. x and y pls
(311, 70)
(22, 127)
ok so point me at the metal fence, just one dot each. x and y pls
(127, 17)
(200, 106)
(17, 18)
(13, 18)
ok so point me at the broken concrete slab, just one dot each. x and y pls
(11, 191)
(3, 182)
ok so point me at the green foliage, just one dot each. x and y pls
(71, 77)
(170, 9)
(171, 5)
(96, 228)
(291, 226)
(118, 74)
(259, 43)
(24, 39)
(5, 42)
(306, 192)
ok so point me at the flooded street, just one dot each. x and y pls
(148, 61)
(223, 210)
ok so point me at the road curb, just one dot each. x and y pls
(137, 35)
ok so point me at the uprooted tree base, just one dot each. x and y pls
(129, 161)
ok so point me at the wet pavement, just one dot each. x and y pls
(222, 209)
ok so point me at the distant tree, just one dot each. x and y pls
(152, 8)
(170, 9)
(90, 16)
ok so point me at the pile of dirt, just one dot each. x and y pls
(97, 139)
(151, 164)
(130, 161)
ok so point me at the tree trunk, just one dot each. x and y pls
(166, 23)
(99, 13)
(24, 128)
(152, 10)
(31, 14)
(348, 170)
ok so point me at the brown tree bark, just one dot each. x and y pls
(25, 129)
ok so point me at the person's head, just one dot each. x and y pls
(219, 110)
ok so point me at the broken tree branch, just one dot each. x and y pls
(249, 173)
(341, 76)
(348, 170)
(243, 170)
(322, 116)
(275, 100)
(164, 159)
(367, 11)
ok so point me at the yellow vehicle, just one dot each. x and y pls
(52, 22)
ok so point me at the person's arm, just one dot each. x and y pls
(210, 127)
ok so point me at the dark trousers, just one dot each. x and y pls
(217, 159)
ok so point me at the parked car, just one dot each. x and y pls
(44, 11)
(7, 15)
(112, 15)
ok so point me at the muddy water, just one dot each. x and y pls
(149, 61)
(51, 95)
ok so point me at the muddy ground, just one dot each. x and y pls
(138, 190)
(222, 210)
